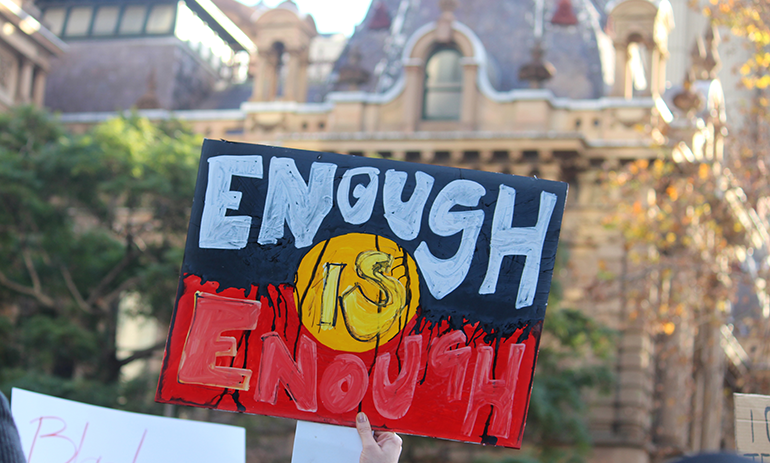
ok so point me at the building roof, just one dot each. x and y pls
(30, 26)
(230, 97)
(574, 50)
(206, 9)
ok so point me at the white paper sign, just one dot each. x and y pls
(55, 430)
(752, 426)
(324, 443)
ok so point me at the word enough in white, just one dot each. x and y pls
(304, 205)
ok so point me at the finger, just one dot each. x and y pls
(390, 443)
(364, 430)
(383, 436)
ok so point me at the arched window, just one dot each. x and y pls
(443, 85)
(280, 69)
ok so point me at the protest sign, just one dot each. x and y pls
(752, 426)
(54, 430)
(325, 443)
(315, 285)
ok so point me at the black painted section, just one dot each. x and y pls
(276, 264)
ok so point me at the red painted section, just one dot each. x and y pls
(445, 374)
(393, 399)
(276, 368)
(215, 314)
(494, 392)
(344, 384)
(451, 364)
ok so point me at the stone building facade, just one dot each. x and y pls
(562, 90)
(26, 48)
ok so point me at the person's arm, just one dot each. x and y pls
(382, 447)
(10, 445)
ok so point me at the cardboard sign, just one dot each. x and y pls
(752, 426)
(54, 430)
(316, 285)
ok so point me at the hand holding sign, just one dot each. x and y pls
(380, 447)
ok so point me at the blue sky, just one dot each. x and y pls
(331, 16)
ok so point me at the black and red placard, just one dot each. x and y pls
(316, 285)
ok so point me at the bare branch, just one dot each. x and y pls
(110, 277)
(36, 293)
(74, 290)
(142, 354)
(106, 300)
(32, 271)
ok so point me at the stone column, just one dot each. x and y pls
(290, 86)
(38, 88)
(263, 78)
(706, 432)
(468, 108)
(651, 55)
(413, 70)
(399, 155)
(550, 171)
(635, 387)
(658, 72)
(621, 63)
(674, 366)
(25, 81)
(587, 189)
(628, 76)
(455, 157)
(303, 59)
(13, 78)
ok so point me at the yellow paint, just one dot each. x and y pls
(356, 290)
(330, 294)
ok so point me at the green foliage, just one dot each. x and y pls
(571, 362)
(85, 220)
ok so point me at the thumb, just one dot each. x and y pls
(365, 430)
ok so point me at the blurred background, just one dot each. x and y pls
(654, 111)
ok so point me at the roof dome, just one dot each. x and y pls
(507, 29)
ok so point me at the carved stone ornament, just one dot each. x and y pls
(444, 23)
(538, 70)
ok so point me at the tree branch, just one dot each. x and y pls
(36, 293)
(74, 290)
(105, 301)
(142, 354)
(32, 271)
(127, 258)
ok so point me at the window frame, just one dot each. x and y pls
(172, 26)
(122, 7)
(457, 87)
(65, 13)
(68, 17)
(114, 32)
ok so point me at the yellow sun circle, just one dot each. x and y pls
(356, 291)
